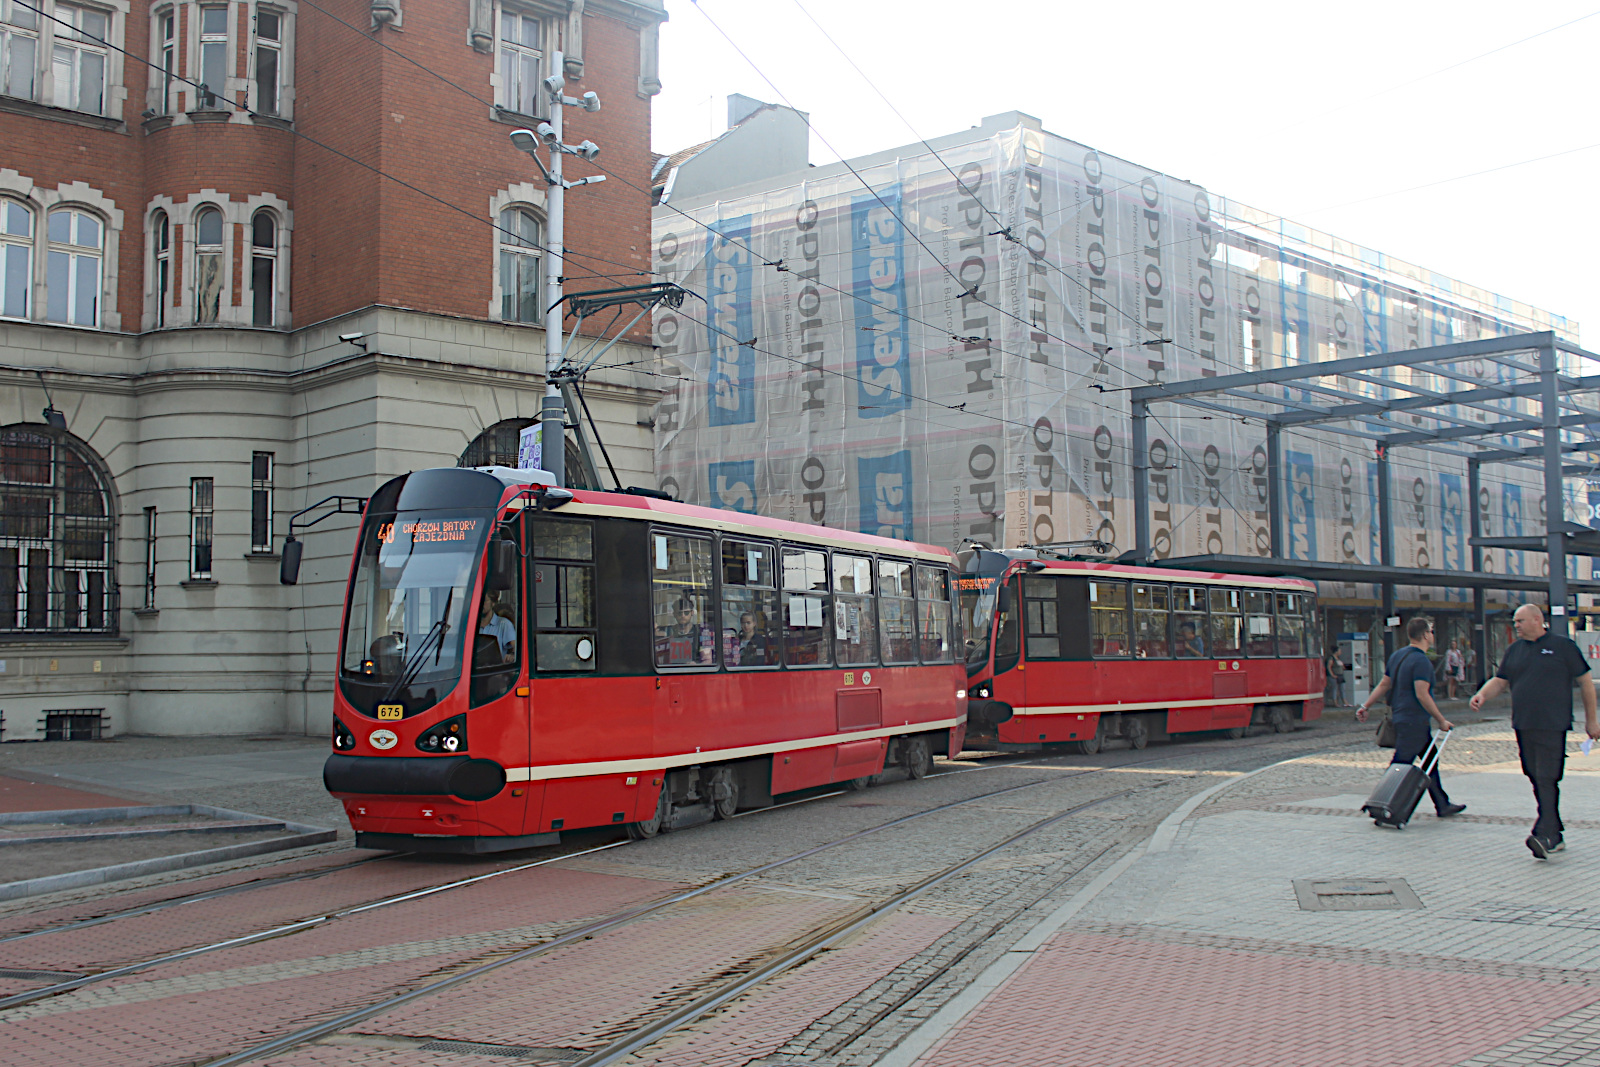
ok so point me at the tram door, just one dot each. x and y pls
(497, 719)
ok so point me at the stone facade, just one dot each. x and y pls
(158, 390)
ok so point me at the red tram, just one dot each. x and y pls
(1081, 652)
(518, 659)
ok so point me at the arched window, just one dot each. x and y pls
(520, 240)
(16, 259)
(57, 535)
(263, 267)
(498, 445)
(161, 253)
(72, 274)
(208, 273)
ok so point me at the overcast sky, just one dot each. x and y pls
(1294, 109)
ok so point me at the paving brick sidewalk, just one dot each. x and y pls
(1204, 952)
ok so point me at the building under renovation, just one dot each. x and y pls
(937, 342)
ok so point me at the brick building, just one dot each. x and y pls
(197, 201)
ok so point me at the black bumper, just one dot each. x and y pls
(414, 776)
(471, 846)
(987, 714)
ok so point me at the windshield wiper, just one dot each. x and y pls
(412, 665)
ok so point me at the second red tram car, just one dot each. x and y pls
(519, 659)
(1081, 652)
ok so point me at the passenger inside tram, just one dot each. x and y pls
(1189, 646)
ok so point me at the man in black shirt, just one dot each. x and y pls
(1409, 674)
(1540, 669)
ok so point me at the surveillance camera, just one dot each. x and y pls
(548, 132)
(524, 140)
(555, 83)
(350, 337)
(588, 150)
(591, 102)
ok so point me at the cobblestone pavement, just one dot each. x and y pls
(854, 1004)
(1495, 961)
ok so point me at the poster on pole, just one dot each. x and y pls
(530, 448)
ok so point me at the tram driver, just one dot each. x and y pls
(493, 624)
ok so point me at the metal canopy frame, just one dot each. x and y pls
(1320, 395)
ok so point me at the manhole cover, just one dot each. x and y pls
(1354, 894)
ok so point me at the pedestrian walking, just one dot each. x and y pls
(1409, 675)
(1455, 669)
(1540, 668)
(1335, 680)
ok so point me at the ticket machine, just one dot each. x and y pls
(1354, 654)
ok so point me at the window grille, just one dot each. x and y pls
(57, 536)
(200, 528)
(83, 724)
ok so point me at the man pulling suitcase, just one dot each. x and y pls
(1410, 675)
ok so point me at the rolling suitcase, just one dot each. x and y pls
(1395, 798)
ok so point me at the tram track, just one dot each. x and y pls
(314, 921)
(811, 943)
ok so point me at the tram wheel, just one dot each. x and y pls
(1092, 745)
(1236, 732)
(856, 785)
(648, 828)
(724, 793)
(919, 757)
(1136, 733)
(1281, 720)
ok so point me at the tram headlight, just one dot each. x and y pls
(447, 736)
(982, 691)
(343, 739)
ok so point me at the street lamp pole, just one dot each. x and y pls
(553, 413)
(553, 420)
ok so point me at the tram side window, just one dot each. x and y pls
(1108, 619)
(1258, 640)
(749, 605)
(1291, 625)
(855, 621)
(897, 612)
(562, 579)
(681, 593)
(1189, 626)
(1308, 611)
(805, 608)
(935, 625)
(1150, 616)
(1227, 623)
(1041, 615)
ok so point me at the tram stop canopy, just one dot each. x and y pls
(1537, 408)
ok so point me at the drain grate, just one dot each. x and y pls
(1354, 894)
(1532, 915)
(41, 976)
(514, 1052)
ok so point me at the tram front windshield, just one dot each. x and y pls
(403, 643)
(977, 616)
